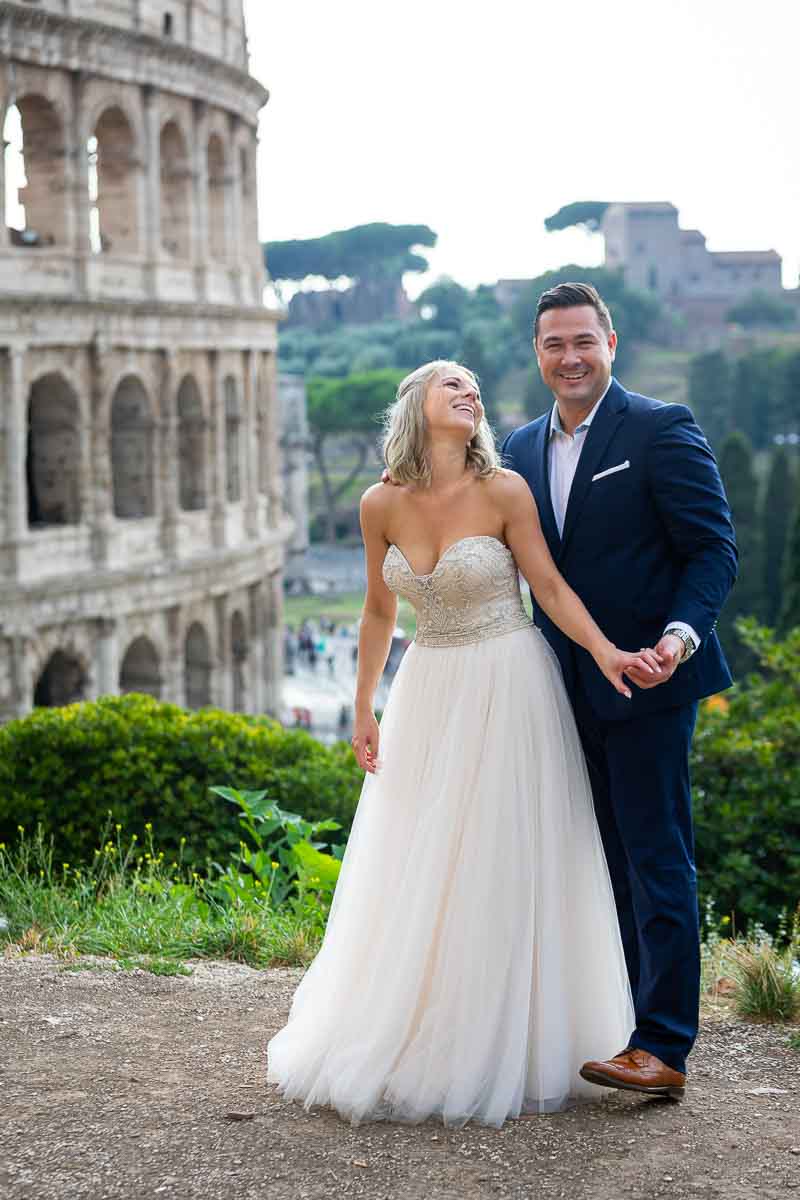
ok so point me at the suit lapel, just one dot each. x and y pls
(541, 485)
(605, 424)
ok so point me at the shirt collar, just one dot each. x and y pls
(555, 416)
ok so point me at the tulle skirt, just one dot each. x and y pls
(472, 960)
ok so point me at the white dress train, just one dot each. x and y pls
(472, 959)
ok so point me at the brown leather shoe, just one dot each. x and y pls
(635, 1070)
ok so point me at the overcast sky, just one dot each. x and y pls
(482, 119)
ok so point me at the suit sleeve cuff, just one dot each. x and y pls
(684, 628)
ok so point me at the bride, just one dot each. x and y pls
(472, 959)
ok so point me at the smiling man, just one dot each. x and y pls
(636, 518)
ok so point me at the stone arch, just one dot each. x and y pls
(217, 197)
(113, 184)
(53, 453)
(62, 680)
(176, 191)
(233, 440)
(35, 153)
(240, 651)
(197, 667)
(132, 450)
(140, 669)
(191, 446)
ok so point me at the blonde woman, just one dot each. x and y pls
(472, 960)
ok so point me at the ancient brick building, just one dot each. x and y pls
(647, 243)
(141, 533)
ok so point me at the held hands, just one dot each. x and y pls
(669, 653)
(615, 664)
(365, 741)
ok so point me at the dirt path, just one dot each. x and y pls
(121, 1084)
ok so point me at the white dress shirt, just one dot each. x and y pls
(564, 452)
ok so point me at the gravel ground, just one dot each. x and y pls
(125, 1084)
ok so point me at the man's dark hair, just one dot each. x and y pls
(572, 295)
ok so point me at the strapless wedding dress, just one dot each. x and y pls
(472, 960)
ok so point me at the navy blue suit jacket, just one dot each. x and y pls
(641, 546)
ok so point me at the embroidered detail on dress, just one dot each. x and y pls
(471, 594)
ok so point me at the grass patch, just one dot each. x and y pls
(142, 911)
(768, 982)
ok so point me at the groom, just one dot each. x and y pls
(634, 512)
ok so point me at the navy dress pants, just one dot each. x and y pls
(639, 770)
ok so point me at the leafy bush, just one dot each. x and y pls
(146, 761)
(746, 784)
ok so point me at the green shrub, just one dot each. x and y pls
(148, 761)
(746, 786)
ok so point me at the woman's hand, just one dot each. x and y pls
(614, 663)
(365, 741)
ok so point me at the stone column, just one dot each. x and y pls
(272, 450)
(4, 100)
(200, 206)
(217, 435)
(236, 239)
(75, 180)
(152, 212)
(256, 697)
(16, 439)
(250, 428)
(172, 673)
(222, 675)
(168, 458)
(224, 17)
(20, 700)
(273, 639)
(101, 515)
(106, 673)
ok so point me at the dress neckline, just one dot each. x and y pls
(471, 537)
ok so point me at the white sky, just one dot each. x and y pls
(482, 119)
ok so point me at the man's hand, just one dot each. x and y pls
(668, 652)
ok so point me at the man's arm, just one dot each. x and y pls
(691, 502)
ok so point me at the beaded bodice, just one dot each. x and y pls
(471, 594)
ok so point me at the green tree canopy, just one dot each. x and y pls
(353, 405)
(775, 520)
(737, 468)
(379, 249)
(446, 302)
(586, 213)
(710, 382)
(762, 308)
(790, 608)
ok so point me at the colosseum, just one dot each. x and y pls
(142, 536)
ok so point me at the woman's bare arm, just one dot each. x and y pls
(523, 534)
(378, 620)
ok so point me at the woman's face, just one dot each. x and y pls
(452, 404)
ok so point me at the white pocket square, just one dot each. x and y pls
(611, 470)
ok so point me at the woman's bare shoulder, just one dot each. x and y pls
(505, 485)
(377, 499)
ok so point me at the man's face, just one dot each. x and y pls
(575, 354)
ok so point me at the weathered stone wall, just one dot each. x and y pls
(142, 536)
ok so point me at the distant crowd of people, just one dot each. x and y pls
(312, 644)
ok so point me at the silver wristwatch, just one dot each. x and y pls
(687, 639)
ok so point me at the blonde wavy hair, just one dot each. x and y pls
(405, 448)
